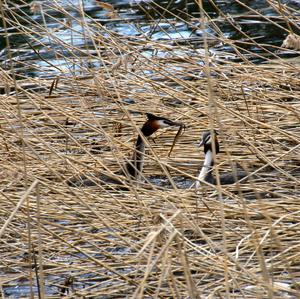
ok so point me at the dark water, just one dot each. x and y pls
(44, 55)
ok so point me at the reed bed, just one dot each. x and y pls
(82, 115)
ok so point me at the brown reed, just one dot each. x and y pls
(239, 241)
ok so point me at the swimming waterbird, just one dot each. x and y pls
(132, 170)
(206, 173)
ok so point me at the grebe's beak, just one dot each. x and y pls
(164, 123)
(206, 138)
(173, 123)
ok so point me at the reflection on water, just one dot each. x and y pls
(65, 43)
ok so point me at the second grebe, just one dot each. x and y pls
(134, 167)
(207, 168)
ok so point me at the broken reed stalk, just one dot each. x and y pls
(40, 270)
(18, 206)
(213, 118)
(88, 121)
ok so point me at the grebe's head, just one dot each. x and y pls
(207, 139)
(156, 122)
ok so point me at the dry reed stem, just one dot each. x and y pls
(152, 241)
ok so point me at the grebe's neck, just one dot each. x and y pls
(135, 166)
(206, 171)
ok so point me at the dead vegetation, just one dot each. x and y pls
(151, 241)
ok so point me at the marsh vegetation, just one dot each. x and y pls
(77, 79)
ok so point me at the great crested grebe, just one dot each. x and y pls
(131, 170)
(207, 168)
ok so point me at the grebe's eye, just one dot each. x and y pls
(166, 122)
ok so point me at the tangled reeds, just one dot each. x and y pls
(80, 113)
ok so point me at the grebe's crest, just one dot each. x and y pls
(207, 139)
